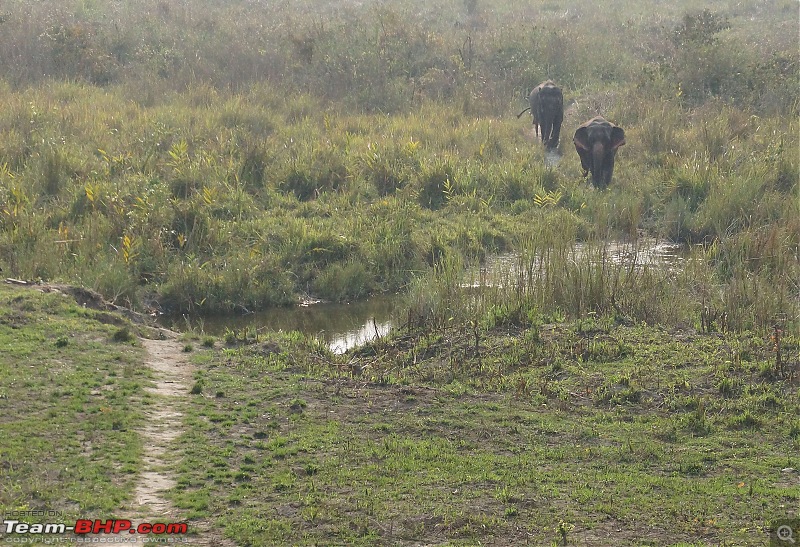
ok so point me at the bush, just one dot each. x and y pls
(434, 184)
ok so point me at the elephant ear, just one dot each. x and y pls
(581, 139)
(617, 137)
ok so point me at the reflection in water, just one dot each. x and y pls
(646, 252)
(368, 332)
(341, 326)
(344, 326)
(510, 268)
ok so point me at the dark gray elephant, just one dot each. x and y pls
(597, 142)
(547, 109)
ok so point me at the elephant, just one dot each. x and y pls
(547, 109)
(597, 142)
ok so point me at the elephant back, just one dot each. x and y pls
(547, 88)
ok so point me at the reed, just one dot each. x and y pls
(350, 158)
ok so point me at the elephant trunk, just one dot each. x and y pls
(598, 159)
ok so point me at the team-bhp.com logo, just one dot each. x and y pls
(85, 527)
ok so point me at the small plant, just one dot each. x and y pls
(548, 199)
(435, 184)
(503, 494)
(693, 467)
(241, 476)
(745, 420)
(123, 335)
(563, 529)
(297, 405)
(188, 348)
(197, 388)
(729, 387)
(697, 423)
(62, 342)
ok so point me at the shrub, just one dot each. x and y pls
(433, 184)
(344, 282)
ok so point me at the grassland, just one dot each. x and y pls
(344, 152)
(540, 432)
(204, 156)
(588, 433)
(71, 394)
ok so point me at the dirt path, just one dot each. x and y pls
(172, 375)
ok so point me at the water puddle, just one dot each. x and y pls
(345, 326)
(646, 252)
(340, 326)
(506, 269)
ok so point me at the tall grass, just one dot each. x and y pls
(343, 152)
(387, 58)
(553, 278)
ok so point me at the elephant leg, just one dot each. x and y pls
(547, 129)
(556, 135)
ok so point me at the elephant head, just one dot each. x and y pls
(547, 109)
(597, 142)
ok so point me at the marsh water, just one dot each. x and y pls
(344, 326)
(340, 326)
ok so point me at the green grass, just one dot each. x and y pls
(235, 156)
(72, 396)
(188, 221)
(226, 185)
(589, 430)
(509, 428)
